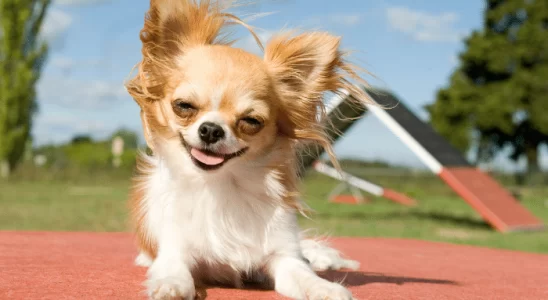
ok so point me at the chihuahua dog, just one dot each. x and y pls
(217, 201)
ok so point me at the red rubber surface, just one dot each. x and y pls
(46, 265)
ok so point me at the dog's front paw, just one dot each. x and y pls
(171, 289)
(328, 291)
(321, 257)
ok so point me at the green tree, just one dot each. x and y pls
(499, 93)
(22, 54)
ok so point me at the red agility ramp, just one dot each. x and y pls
(494, 203)
(48, 265)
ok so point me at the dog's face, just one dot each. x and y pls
(217, 105)
(222, 106)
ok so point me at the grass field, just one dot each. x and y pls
(440, 215)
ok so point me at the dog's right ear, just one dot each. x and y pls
(171, 26)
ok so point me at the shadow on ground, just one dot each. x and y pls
(349, 279)
(355, 278)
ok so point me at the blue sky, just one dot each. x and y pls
(411, 46)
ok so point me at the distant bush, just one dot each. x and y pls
(81, 138)
(89, 155)
(80, 159)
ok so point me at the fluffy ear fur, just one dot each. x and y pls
(304, 67)
(170, 27)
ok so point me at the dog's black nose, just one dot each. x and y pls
(210, 132)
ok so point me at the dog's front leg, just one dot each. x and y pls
(295, 279)
(169, 275)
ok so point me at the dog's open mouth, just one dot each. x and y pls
(207, 159)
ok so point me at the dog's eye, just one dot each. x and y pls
(252, 121)
(183, 109)
(250, 125)
(182, 105)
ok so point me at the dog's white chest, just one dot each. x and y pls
(226, 225)
(227, 222)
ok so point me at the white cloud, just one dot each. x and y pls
(80, 2)
(424, 26)
(81, 94)
(55, 27)
(345, 19)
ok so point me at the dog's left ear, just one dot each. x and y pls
(303, 68)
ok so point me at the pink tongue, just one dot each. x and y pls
(206, 159)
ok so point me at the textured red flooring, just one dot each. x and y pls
(44, 265)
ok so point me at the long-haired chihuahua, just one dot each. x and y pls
(217, 201)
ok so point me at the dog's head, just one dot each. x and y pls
(215, 104)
